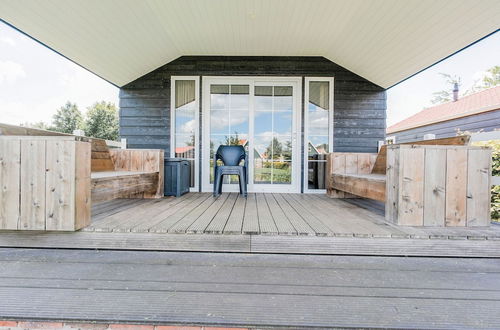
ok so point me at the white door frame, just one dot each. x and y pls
(252, 81)
(307, 80)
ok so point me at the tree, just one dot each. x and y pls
(491, 78)
(232, 140)
(102, 121)
(67, 119)
(446, 95)
(275, 149)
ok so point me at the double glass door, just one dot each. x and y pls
(261, 115)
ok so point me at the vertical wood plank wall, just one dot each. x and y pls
(438, 185)
(45, 183)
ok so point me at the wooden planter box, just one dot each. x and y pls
(44, 183)
(438, 185)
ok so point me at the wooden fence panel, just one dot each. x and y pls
(456, 187)
(478, 198)
(10, 171)
(32, 185)
(40, 184)
(411, 178)
(60, 184)
(435, 187)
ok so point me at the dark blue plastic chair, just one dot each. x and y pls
(231, 157)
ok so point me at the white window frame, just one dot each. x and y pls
(196, 79)
(307, 80)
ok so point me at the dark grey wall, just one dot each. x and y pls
(486, 121)
(359, 109)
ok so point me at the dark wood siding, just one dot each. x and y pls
(486, 121)
(360, 106)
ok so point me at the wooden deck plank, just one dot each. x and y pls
(219, 221)
(167, 219)
(183, 224)
(222, 290)
(312, 219)
(250, 218)
(283, 225)
(234, 223)
(266, 221)
(144, 213)
(202, 222)
(296, 220)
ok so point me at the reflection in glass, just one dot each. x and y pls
(318, 129)
(185, 122)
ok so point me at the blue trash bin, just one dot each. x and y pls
(177, 176)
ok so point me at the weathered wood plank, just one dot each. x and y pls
(83, 203)
(456, 187)
(299, 224)
(32, 185)
(371, 186)
(234, 223)
(281, 221)
(183, 224)
(313, 218)
(250, 219)
(478, 182)
(60, 186)
(10, 172)
(219, 221)
(208, 215)
(435, 187)
(411, 180)
(266, 221)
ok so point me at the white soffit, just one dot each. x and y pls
(384, 41)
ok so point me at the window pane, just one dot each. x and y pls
(283, 100)
(238, 122)
(316, 175)
(184, 146)
(318, 145)
(239, 97)
(263, 98)
(282, 123)
(282, 172)
(219, 122)
(319, 94)
(263, 122)
(262, 171)
(219, 98)
(282, 147)
(318, 122)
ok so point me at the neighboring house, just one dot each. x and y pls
(476, 112)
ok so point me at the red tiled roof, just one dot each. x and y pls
(486, 100)
(181, 150)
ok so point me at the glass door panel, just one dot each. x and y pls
(229, 120)
(259, 114)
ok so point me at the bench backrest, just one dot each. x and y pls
(100, 157)
(381, 162)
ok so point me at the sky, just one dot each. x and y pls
(35, 81)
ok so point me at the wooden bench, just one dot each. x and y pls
(435, 182)
(125, 173)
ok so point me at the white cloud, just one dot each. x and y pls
(11, 71)
(8, 41)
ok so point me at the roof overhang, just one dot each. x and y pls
(384, 41)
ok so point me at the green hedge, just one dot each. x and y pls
(495, 191)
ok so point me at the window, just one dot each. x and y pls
(318, 131)
(184, 122)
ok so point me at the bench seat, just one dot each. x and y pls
(370, 186)
(122, 184)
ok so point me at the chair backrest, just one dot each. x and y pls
(230, 155)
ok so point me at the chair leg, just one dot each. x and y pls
(217, 183)
(221, 182)
(243, 182)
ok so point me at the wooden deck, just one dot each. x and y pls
(252, 290)
(264, 214)
(261, 223)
